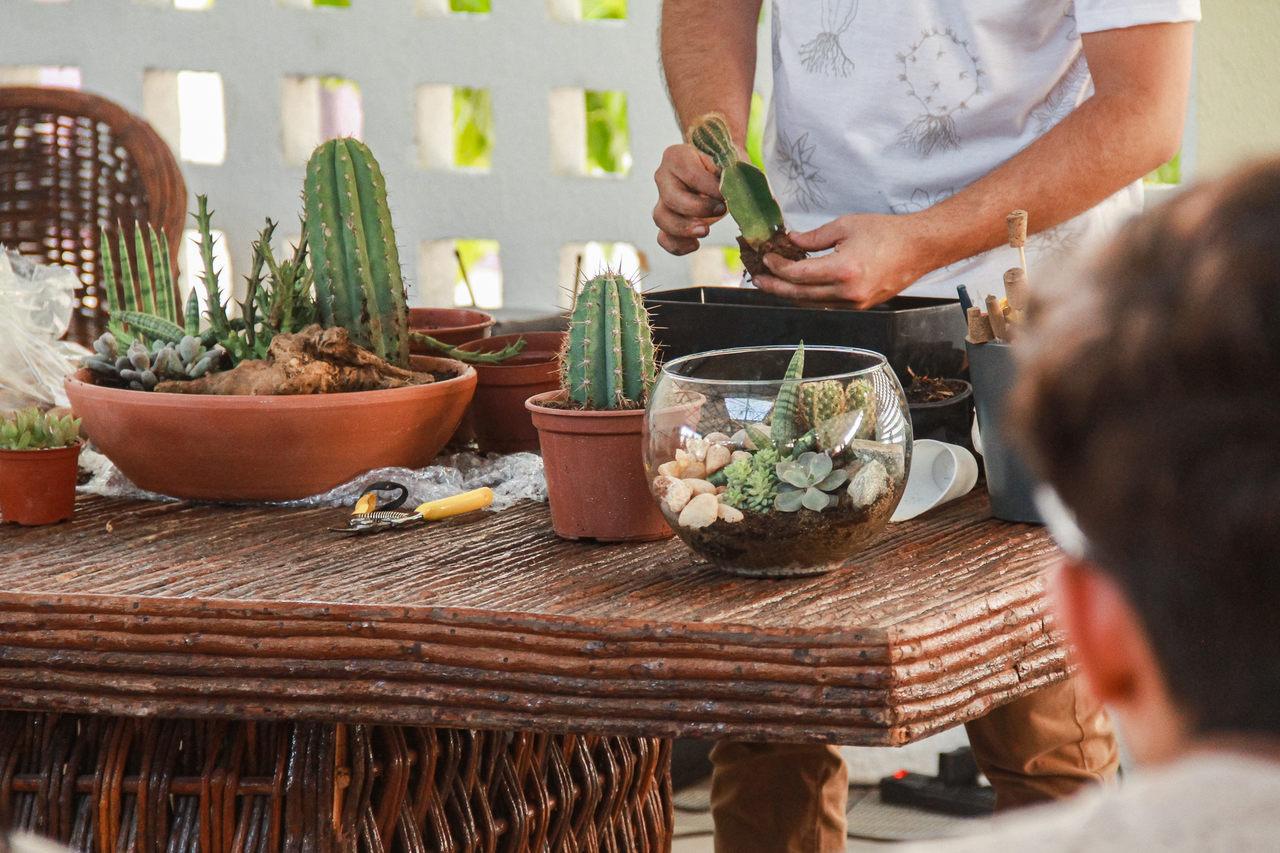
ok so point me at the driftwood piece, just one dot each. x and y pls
(182, 610)
(313, 361)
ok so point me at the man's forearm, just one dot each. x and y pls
(1111, 140)
(709, 59)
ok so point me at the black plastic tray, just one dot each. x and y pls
(924, 334)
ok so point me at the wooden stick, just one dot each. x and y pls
(979, 327)
(466, 279)
(995, 316)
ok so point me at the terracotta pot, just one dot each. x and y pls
(453, 326)
(596, 482)
(498, 417)
(38, 486)
(244, 448)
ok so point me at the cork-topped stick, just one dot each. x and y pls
(1016, 289)
(995, 316)
(979, 327)
(1017, 225)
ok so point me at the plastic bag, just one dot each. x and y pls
(36, 302)
(513, 478)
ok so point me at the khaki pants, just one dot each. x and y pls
(790, 798)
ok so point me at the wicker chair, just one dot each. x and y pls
(70, 164)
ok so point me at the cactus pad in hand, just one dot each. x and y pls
(747, 196)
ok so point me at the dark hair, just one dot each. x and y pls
(1150, 400)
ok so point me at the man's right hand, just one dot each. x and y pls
(689, 199)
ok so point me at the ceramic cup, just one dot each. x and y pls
(940, 473)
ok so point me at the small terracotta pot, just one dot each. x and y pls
(453, 326)
(498, 417)
(258, 448)
(594, 463)
(38, 486)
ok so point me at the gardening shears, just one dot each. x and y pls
(369, 517)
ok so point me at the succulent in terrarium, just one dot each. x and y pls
(751, 483)
(807, 482)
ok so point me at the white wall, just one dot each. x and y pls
(389, 49)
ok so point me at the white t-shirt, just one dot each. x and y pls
(1202, 804)
(889, 106)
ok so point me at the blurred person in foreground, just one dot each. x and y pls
(1150, 406)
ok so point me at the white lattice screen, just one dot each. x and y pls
(527, 52)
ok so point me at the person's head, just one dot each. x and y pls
(1150, 402)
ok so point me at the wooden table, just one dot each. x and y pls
(479, 681)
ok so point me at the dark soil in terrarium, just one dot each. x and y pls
(791, 543)
(927, 389)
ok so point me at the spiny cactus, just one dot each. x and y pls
(141, 369)
(448, 351)
(29, 429)
(782, 424)
(807, 481)
(820, 401)
(609, 359)
(752, 484)
(746, 194)
(358, 282)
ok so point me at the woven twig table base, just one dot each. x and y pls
(122, 784)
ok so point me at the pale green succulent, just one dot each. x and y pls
(30, 430)
(751, 484)
(806, 481)
(141, 369)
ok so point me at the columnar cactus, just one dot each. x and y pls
(609, 360)
(358, 282)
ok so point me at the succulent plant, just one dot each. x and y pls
(609, 359)
(141, 306)
(29, 429)
(782, 424)
(807, 481)
(141, 369)
(447, 350)
(746, 194)
(358, 283)
(752, 484)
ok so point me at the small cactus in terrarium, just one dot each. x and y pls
(29, 429)
(608, 362)
(141, 368)
(807, 482)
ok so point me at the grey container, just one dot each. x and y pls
(992, 371)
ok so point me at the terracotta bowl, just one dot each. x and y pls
(453, 326)
(247, 448)
(498, 417)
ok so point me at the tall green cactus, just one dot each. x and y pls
(609, 359)
(353, 249)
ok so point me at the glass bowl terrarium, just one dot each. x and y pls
(778, 461)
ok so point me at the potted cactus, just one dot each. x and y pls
(590, 430)
(308, 384)
(38, 455)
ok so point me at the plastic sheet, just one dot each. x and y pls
(515, 477)
(36, 302)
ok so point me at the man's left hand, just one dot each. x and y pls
(875, 257)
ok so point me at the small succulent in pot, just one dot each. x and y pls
(808, 482)
(38, 453)
(30, 429)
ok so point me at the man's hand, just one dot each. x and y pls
(689, 198)
(875, 257)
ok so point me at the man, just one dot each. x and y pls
(1149, 404)
(901, 134)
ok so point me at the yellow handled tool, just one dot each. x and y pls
(367, 518)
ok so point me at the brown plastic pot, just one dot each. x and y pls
(498, 417)
(258, 448)
(594, 463)
(38, 486)
(452, 326)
